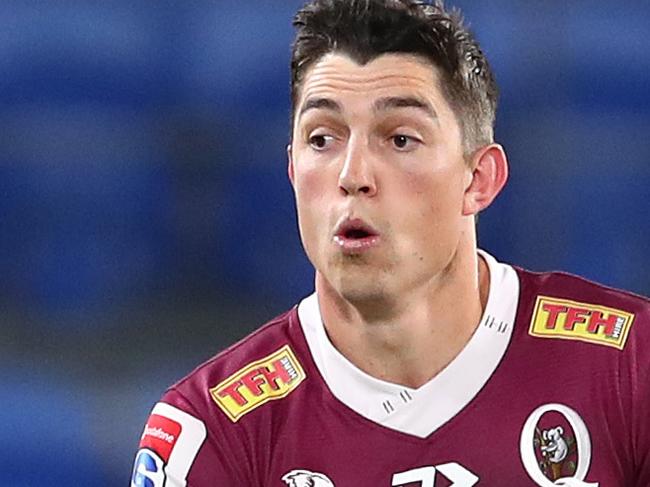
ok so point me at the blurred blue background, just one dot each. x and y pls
(146, 221)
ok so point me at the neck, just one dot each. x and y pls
(409, 339)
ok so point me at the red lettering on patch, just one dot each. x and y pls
(575, 316)
(254, 381)
(553, 311)
(270, 378)
(278, 372)
(160, 435)
(598, 319)
(574, 320)
(232, 392)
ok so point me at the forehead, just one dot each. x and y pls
(338, 76)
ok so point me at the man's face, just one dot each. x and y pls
(379, 176)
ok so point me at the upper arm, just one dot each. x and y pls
(177, 449)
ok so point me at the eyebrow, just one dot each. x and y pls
(320, 103)
(381, 105)
(393, 102)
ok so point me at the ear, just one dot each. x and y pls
(489, 173)
(290, 164)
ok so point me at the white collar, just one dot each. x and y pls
(420, 412)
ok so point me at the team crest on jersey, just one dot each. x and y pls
(305, 478)
(574, 320)
(272, 377)
(555, 447)
(168, 446)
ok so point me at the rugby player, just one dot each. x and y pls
(419, 360)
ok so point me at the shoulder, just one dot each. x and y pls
(580, 288)
(264, 338)
(259, 368)
(204, 409)
(590, 344)
(225, 379)
(562, 305)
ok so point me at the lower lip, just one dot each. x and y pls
(356, 245)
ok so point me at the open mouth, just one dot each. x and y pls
(355, 236)
(356, 233)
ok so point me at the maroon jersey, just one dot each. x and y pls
(552, 389)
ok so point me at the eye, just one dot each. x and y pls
(404, 143)
(320, 142)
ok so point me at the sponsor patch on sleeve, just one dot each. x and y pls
(168, 446)
(574, 320)
(267, 379)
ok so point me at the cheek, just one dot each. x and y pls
(310, 188)
(431, 208)
(434, 194)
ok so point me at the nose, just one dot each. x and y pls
(357, 175)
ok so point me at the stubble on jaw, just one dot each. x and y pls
(360, 282)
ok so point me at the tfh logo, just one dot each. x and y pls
(272, 377)
(574, 320)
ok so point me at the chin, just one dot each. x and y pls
(355, 278)
(366, 289)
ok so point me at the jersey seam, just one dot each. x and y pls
(590, 282)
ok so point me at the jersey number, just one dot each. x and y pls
(426, 476)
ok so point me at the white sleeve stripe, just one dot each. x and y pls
(187, 445)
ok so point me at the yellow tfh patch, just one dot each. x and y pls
(272, 377)
(573, 320)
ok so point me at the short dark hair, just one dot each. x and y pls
(366, 29)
